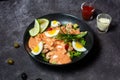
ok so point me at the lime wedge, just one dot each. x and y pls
(35, 30)
(43, 24)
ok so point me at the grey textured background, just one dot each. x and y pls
(103, 63)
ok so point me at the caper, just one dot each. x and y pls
(16, 45)
(10, 61)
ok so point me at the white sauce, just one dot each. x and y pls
(103, 24)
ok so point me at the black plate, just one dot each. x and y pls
(63, 18)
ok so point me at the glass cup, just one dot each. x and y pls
(87, 10)
(103, 22)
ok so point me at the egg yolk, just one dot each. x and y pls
(52, 32)
(78, 45)
(54, 22)
(36, 49)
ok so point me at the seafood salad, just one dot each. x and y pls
(55, 42)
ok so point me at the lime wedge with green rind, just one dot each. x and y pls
(35, 30)
(43, 24)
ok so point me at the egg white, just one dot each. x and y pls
(55, 23)
(52, 35)
(40, 45)
(82, 49)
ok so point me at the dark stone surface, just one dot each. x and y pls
(103, 63)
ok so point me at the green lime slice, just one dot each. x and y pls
(43, 24)
(36, 29)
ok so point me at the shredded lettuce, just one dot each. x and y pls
(74, 53)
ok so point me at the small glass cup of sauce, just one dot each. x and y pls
(103, 22)
(87, 10)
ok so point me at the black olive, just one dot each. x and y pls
(24, 76)
(38, 79)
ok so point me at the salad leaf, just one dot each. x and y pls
(75, 26)
(82, 34)
(44, 57)
(70, 37)
(82, 41)
(74, 53)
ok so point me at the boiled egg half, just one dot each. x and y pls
(55, 23)
(37, 50)
(52, 32)
(78, 46)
